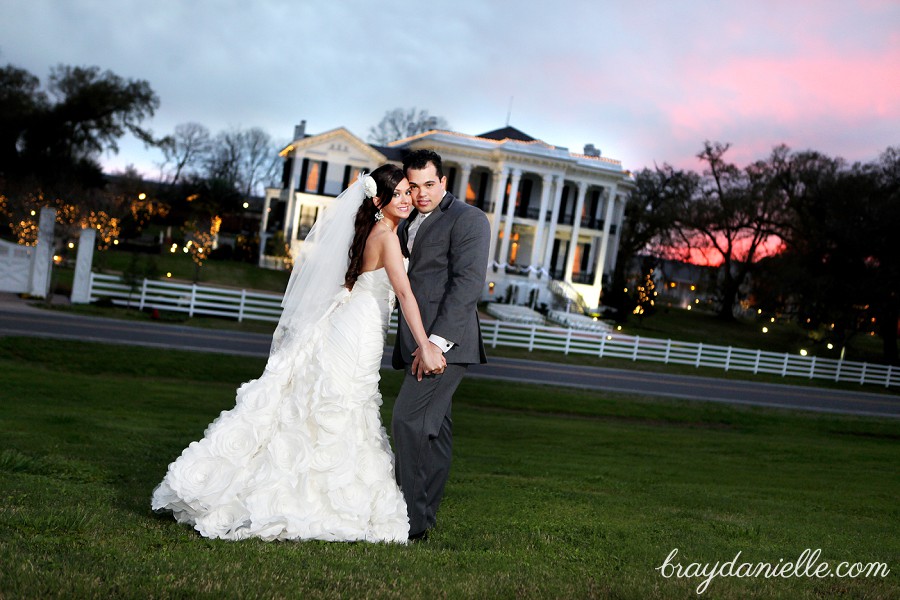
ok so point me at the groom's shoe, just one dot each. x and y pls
(418, 538)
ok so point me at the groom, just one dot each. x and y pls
(447, 243)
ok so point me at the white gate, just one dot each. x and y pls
(26, 269)
(15, 267)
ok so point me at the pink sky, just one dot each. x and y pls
(797, 95)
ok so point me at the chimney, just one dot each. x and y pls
(300, 130)
(590, 150)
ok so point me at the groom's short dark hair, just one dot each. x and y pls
(419, 159)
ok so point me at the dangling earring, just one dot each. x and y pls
(379, 215)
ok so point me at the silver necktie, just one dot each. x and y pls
(414, 229)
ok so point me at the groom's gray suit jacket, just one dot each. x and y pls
(447, 270)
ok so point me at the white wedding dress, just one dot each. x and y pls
(303, 454)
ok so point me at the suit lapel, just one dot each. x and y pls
(403, 232)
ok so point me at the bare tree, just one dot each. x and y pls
(401, 123)
(223, 158)
(246, 159)
(259, 160)
(185, 149)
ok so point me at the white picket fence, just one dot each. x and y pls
(241, 304)
(191, 299)
(729, 358)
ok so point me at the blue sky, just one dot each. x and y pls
(644, 81)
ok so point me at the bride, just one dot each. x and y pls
(303, 453)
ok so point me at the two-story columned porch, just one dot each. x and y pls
(538, 198)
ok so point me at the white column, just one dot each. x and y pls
(607, 226)
(295, 224)
(288, 214)
(595, 249)
(42, 259)
(81, 284)
(613, 252)
(536, 254)
(264, 221)
(576, 230)
(289, 206)
(464, 181)
(559, 182)
(498, 186)
(510, 211)
(263, 225)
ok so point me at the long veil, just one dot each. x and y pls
(317, 280)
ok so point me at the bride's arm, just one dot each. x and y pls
(396, 272)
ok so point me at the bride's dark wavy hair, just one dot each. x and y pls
(386, 179)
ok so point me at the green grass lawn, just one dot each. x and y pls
(554, 493)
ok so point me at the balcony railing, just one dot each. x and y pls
(592, 223)
(587, 278)
(557, 273)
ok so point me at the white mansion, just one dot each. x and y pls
(554, 214)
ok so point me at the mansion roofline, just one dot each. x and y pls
(533, 147)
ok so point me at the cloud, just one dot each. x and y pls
(646, 81)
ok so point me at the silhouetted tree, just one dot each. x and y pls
(58, 134)
(729, 219)
(21, 101)
(50, 141)
(885, 254)
(647, 227)
(840, 268)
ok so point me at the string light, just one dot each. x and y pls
(645, 293)
(202, 239)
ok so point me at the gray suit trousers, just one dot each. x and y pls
(423, 439)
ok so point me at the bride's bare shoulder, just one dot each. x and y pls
(380, 235)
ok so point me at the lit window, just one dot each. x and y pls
(312, 178)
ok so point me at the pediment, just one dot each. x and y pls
(333, 145)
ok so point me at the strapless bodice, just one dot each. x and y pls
(374, 283)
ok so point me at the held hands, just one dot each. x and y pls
(428, 360)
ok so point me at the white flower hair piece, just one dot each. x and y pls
(371, 187)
